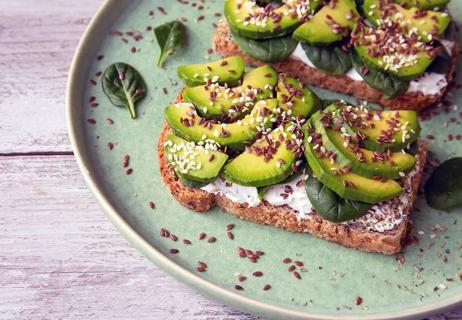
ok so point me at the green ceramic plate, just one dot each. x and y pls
(427, 282)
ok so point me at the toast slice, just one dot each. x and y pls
(224, 45)
(356, 234)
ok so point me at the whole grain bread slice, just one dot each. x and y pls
(349, 235)
(224, 45)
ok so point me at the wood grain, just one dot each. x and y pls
(60, 258)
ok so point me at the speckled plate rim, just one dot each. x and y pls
(75, 88)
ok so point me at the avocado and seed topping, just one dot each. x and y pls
(341, 160)
(248, 19)
(267, 133)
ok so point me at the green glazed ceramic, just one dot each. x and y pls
(332, 277)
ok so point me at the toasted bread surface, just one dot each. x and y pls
(353, 236)
(224, 45)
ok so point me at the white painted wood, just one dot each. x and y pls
(60, 258)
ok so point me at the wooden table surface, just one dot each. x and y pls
(59, 255)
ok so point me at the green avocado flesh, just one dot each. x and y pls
(330, 24)
(296, 97)
(228, 70)
(213, 100)
(428, 25)
(383, 130)
(250, 169)
(423, 4)
(417, 63)
(248, 19)
(348, 185)
(193, 162)
(368, 163)
(183, 119)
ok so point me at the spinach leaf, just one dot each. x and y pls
(330, 205)
(268, 50)
(391, 86)
(170, 36)
(331, 59)
(442, 63)
(191, 183)
(444, 188)
(124, 86)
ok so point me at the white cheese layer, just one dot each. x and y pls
(234, 192)
(428, 83)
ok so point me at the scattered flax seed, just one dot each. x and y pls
(266, 287)
(238, 287)
(110, 145)
(126, 161)
(287, 260)
(259, 253)
(257, 274)
(297, 275)
(242, 278)
(100, 57)
(133, 49)
(173, 237)
(174, 251)
(93, 82)
(164, 233)
(162, 10)
(109, 121)
(211, 239)
(91, 121)
(299, 263)
(230, 235)
(230, 227)
(200, 269)
(152, 205)
(291, 268)
(186, 241)
(202, 235)
(92, 99)
(129, 171)
(99, 73)
(164, 90)
(358, 300)
(209, 50)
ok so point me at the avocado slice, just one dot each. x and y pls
(213, 100)
(193, 162)
(380, 130)
(255, 168)
(330, 24)
(426, 23)
(295, 98)
(183, 119)
(362, 161)
(342, 180)
(391, 52)
(247, 19)
(423, 4)
(228, 70)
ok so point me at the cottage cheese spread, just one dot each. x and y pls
(429, 83)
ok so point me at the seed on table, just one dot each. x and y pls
(200, 269)
(173, 237)
(152, 205)
(129, 171)
(291, 268)
(202, 264)
(230, 227)
(186, 241)
(242, 278)
(297, 275)
(211, 239)
(230, 235)
(257, 274)
(287, 260)
(266, 287)
(238, 287)
(202, 235)
(259, 253)
(126, 161)
(299, 263)
(174, 251)
(358, 300)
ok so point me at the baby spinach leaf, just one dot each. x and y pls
(124, 86)
(330, 59)
(391, 86)
(330, 205)
(170, 36)
(443, 189)
(268, 50)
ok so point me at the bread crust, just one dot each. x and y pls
(225, 46)
(388, 242)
